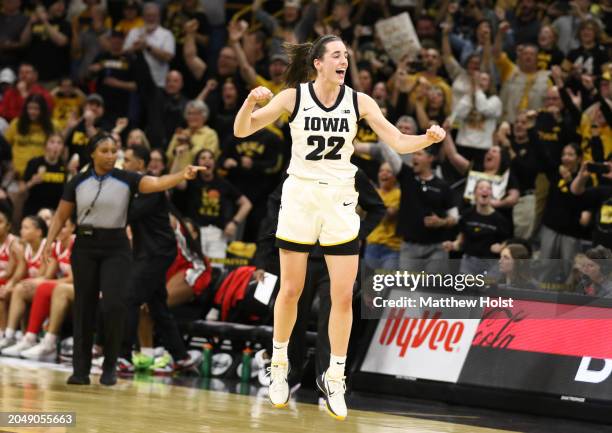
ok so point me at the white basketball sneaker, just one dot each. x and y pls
(279, 387)
(7, 342)
(16, 349)
(41, 352)
(333, 389)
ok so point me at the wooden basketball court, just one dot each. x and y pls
(135, 406)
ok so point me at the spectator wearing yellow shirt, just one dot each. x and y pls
(187, 143)
(421, 81)
(67, 102)
(28, 133)
(131, 18)
(382, 249)
(523, 85)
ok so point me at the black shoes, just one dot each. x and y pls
(78, 380)
(109, 377)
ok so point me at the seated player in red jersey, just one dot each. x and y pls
(12, 265)
(40, 288)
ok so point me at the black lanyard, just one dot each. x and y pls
(93, 202)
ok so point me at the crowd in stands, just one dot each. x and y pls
(521, 86)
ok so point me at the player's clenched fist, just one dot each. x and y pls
(260, 94)
(435, 133)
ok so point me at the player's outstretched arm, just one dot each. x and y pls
(247, 122)
(389, 134)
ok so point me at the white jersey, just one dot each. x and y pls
(323, 137)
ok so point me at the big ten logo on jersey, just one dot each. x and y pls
(250, 148)
(211, 202)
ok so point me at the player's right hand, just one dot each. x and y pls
(435, 133)
(260, 94)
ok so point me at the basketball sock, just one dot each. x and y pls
(9, 333)
(41, 306)
(50, 339)
(336, 366)
(149, 351)
(30, 337)
(279, 351)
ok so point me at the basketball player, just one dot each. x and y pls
(12, 265)
(319, 197)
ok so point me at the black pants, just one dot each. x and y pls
(148, 285)
(317, 281)
(100, 263)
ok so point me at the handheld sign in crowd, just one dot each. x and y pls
(499, 184)
(398, 37)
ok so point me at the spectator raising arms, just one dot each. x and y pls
(478, 112)
(277, 66)
(523, 85)
(495, 165)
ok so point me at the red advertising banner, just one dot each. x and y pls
(574, 331)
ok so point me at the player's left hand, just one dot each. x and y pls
(435, 133)
(190, 172)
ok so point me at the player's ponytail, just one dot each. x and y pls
(299, 69)
(301, 58)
